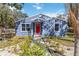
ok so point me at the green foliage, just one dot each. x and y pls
(9, 16)
(31, 49)
(69, 34)
(16, 5)
(52, 37)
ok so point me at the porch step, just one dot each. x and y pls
(37, 37)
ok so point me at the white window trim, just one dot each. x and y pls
(25, 27)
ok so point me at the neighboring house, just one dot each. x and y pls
(41, 25)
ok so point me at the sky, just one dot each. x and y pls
(50, 9)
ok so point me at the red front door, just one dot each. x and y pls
(38, 28)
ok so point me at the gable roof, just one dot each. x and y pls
(64, 19)
(40, 16)
(32, 17)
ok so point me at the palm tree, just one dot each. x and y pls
(74, 22)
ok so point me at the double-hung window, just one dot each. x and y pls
(23, 27)
(26, 27)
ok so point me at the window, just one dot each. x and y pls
(25, 27)
(56, 27)
(28, 27)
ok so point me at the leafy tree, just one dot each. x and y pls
(18, 6)
(60, 16)
(8, 16)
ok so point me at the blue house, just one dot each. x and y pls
(42, 25)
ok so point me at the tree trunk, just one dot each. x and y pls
(74, 22)
(76, 43)
(76, 47)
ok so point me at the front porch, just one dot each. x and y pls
(37, 29)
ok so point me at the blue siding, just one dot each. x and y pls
(19, 31)
(48, 27)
